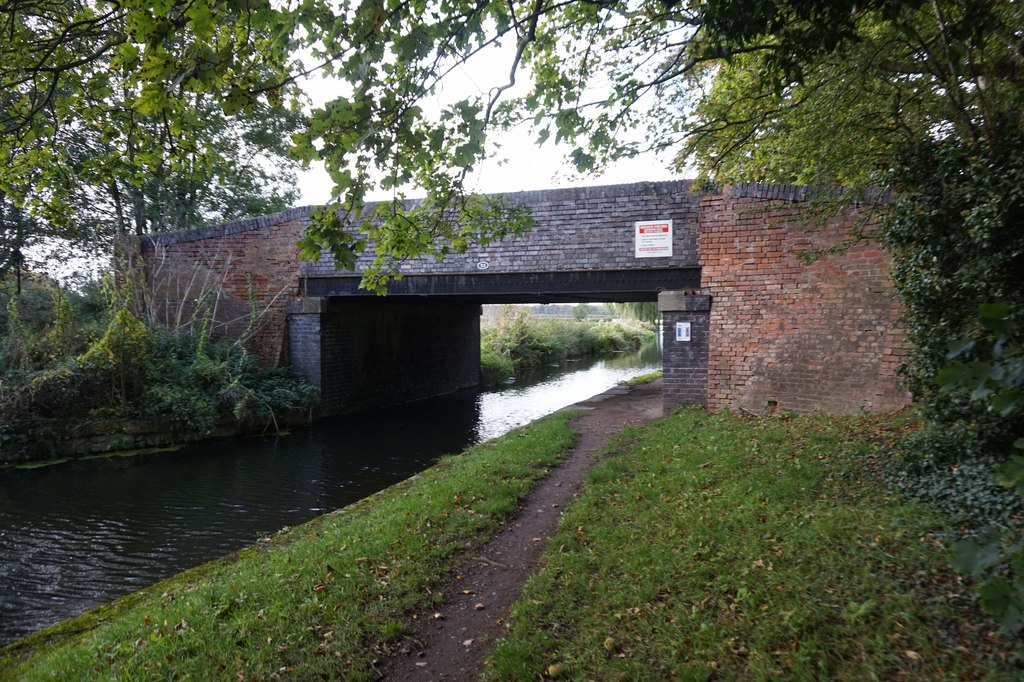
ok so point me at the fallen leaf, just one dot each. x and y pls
(912, 655)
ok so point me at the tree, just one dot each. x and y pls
(911, 72)
(638, 310)
(15, 229)
(230, 167)
(66, 60)
(123, 117)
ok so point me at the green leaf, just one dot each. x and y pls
(974, 556)
(201, 16)
(582, 160)
(994, 311)
(1008, 400)
(960, 347)
(1010, 474)
(1003, 601)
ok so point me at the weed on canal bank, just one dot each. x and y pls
(313, 602)
(722, 547)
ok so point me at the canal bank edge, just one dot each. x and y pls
(39, 443)
(55, 441)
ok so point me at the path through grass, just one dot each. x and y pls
(726, 547)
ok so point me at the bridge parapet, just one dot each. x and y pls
(581, 228)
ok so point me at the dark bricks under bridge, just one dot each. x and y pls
(523, 287)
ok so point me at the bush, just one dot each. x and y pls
(74, 363)
(494, 367)
(958, 244)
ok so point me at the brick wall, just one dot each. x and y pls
(782, 333)
(787, 334)
(685, 360)
(218, 271)
(305, 350)
(581, 228)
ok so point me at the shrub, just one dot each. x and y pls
(494, 367)
(75, 370)
(959, 250)
(958, 246)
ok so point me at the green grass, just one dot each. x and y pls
(721, 547)
(313, 602)
(643, 379)
(710, 547)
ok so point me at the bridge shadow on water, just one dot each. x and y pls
(79, 534)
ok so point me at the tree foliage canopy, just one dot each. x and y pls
(908, 72)
(600, 72)
(125, 117)
(780, 90)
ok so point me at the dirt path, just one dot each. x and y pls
(452, 642)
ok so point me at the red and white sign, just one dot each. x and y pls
(653, 238)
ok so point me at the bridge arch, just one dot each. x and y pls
(764, 329)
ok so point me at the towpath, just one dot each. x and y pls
(453, 641)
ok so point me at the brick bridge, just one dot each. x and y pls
(758, 328)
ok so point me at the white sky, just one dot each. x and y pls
(526, 166)
(529, 168)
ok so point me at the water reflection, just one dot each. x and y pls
(77, 535)
(536, 395)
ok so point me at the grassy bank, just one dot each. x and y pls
(643, 378)
(313, 602)
(718, 547)
(516, 341)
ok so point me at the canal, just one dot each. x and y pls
(79, 534)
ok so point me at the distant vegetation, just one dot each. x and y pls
(517, 341)
(71, 357)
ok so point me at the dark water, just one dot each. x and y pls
(76, 535)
